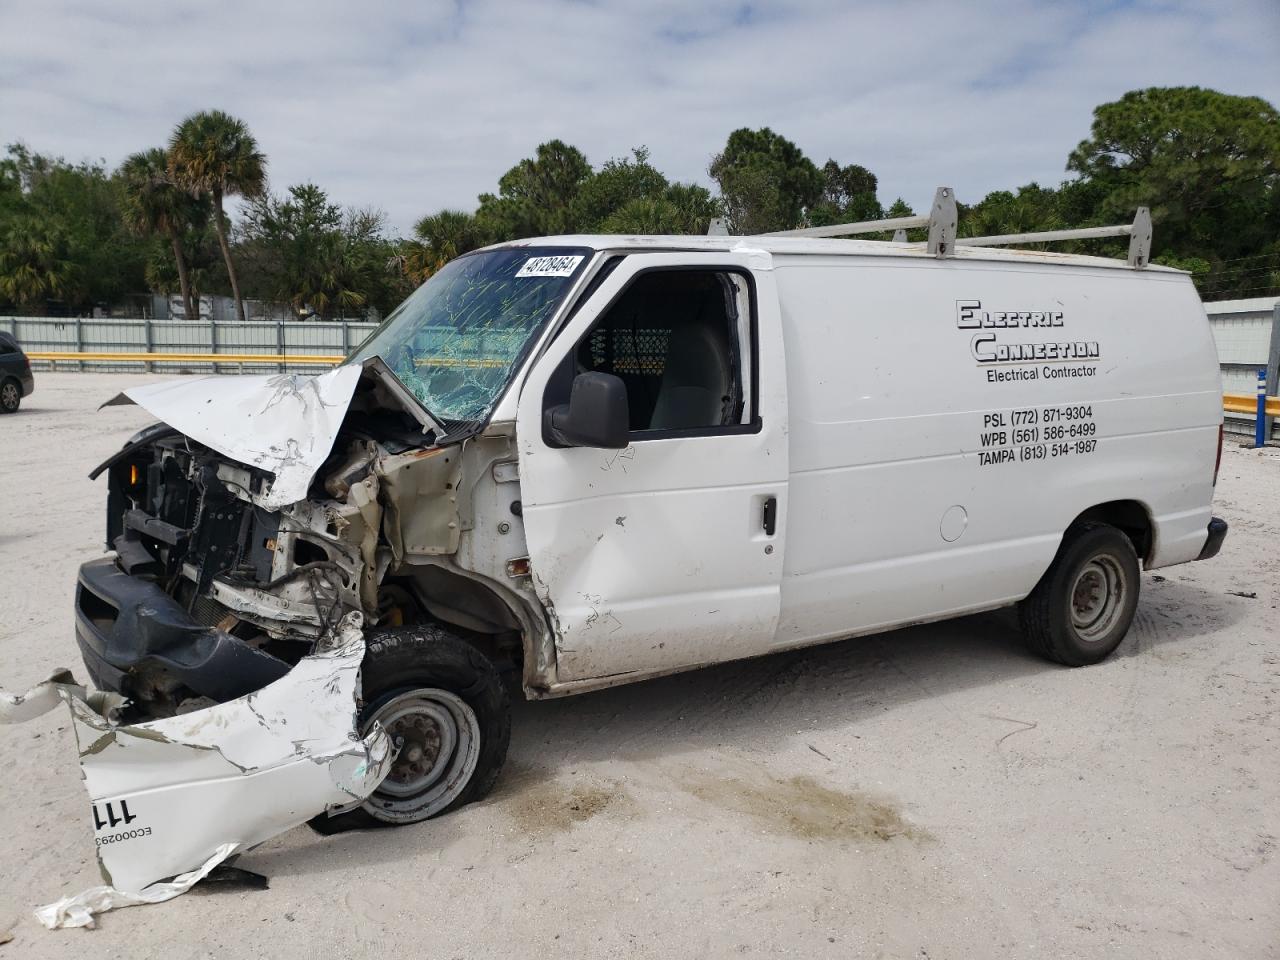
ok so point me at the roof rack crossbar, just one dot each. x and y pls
(1138, 232)
(942, 241)
(941, 223)
(851, 229)
(1044, 236)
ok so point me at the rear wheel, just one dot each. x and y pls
(1083, 605)
(443, 703)
(10, 396)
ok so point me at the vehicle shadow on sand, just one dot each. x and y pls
(763, 702)
(29, 411)
(767, 699)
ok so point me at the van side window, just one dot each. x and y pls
(680, 340)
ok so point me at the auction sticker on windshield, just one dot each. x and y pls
(549, 266)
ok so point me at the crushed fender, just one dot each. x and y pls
(173, 798)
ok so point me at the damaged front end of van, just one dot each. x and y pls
(296, 614)
(246, 523)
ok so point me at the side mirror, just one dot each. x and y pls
(595, 416)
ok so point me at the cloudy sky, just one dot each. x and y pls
(415, 106)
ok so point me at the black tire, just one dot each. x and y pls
(10, 395)
(1081, 609)
(400, 663)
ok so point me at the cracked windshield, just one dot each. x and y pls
(455, 341)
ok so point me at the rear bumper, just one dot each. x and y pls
(1217, 533)
(28, 384)
(125, 624)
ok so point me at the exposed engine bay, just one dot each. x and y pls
(218, 588)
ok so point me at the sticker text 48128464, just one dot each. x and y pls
(1037, 433)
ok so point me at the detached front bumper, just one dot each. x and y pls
(126, 626)
(174, 797)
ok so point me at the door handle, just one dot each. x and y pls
(770, 517)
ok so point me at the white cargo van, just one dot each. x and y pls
(598, 459)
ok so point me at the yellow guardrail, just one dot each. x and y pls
(189, 357)
(1248, 403)
(234, 358)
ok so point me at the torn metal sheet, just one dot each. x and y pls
(180, 794)
(47, 694)
(79, 910)
(284, 423)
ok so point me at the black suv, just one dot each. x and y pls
(16, 380)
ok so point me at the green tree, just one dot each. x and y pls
(1208, 166)
(1030, 208)
(848, 196)
(766, 181)
(57, 213)
(307, 251)
(447, 234)
(212, 154)
(556, 192)
(680, 209)
(630, 195)
(155, 205)
(616, 184)
(370, 255)
(35, 264)
(11, 187)
(897, 210)
(536, 196)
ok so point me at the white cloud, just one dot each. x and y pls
(412, 107)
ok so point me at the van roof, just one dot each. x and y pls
(812, 246)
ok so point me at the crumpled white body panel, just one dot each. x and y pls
(78, 911)
(178, 795)
(283, 422)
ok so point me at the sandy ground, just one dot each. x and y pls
(935, 792)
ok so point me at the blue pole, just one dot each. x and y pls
(1260, 426)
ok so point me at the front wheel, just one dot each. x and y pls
(442, 701)
(1083, 605)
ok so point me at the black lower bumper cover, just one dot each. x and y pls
(1217, 533)
(151, 628)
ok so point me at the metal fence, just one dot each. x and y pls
(1247, 333)
(285, 338)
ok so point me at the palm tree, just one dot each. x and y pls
(448, 234)
(35, 265)
(154, 204)
(213, 154)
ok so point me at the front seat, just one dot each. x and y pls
(696, 380)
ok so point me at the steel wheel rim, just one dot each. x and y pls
(439, 739)
(1096, 599)
(9, 396)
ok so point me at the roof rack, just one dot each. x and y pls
(942, 241)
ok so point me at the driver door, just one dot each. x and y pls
(667, 553)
